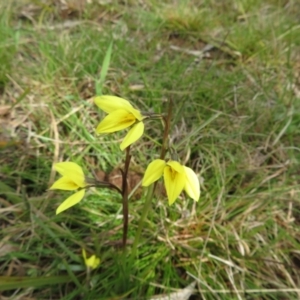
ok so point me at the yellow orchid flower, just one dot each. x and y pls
(91, 263)
(121, 115)
(72, 179)
(176, 178)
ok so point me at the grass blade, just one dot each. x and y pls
(104, 70)
(17, 282)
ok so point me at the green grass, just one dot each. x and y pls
(235, 122)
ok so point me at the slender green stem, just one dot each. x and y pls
(151, 189)
(146, 208)
(167, 121)
(125, 196)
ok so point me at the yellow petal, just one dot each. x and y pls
(64, 183)
(136, 113)
(92, 262)
(133, 135)
(153, 172)
(192, 186)
(71, 201)
(68, 168)
(72, 171)
(176, 166)
(174, 183)
(111, 103)
(117, 120)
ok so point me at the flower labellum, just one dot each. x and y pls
(121, 115)
(72, 179)
(176, 178)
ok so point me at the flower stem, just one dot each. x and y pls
(146, 208)
(151, 189)
(167, 121)
(125, 196)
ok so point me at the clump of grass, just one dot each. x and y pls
(235, 121)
